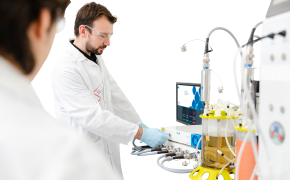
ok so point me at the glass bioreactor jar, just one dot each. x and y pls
(215, 130)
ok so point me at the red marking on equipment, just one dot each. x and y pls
(280, 137)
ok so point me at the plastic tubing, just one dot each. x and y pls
(258, 24)
(196, 147)
(254, 113)
(254, 173)
(141, 152)
(240, 155)
(171, 169)
(221, 28)
(228, 141)
(223, 155)
(251, 103)
(252, 108)
(133, 142)
(236, 80)
(236, 114)
(223, 169)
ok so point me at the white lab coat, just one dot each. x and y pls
(33, 145)
(88, 99)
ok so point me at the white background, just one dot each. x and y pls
(146, 60)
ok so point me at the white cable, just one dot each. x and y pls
(196, 148)
(234, 112)
(199, 40)
(251, 103)
(223, 169)
(219, 78)
(170, 169)
(253, 173)
(174, 170)
(252, 108)
(254, 113)
(233, 36)
(227, 139)
(236, 79)
(223, 155)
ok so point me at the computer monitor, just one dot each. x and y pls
(188, 103)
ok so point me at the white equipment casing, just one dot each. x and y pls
(183, 134)
(274, 109)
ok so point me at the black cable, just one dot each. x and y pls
(170, 154)
(272, 35)
(145, 146)
(178, 157)
(162, 152)
(251, 38)
(156, 149)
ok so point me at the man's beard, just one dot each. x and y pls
(90, 48)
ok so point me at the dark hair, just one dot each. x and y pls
(89, 13)
(15, 18)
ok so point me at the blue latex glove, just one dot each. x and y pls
(143, 126)
(154, 137)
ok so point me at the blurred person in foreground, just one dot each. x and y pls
(32, 144)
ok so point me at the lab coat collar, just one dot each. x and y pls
(12, 81)
(75, 52)
(78, 55)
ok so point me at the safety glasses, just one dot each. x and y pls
(103, 36)
(60, 24)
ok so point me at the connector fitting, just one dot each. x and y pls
(179, 153)
(250, 56)
(183, 48)
(172, 150)
(206, 60)
(220, 152)
(164, 149)
(189, 156)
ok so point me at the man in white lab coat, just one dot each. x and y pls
(33, 146)
(87, 97)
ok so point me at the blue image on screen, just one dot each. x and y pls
(196, 103)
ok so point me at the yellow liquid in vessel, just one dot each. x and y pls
(210, 157)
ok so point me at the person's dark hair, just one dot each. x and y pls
(15, 18)
(89, 13)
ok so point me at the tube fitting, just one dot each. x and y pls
(174, 150)
(189, 156)
(206, 61)
(250, 57)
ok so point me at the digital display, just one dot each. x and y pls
(189, 104)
